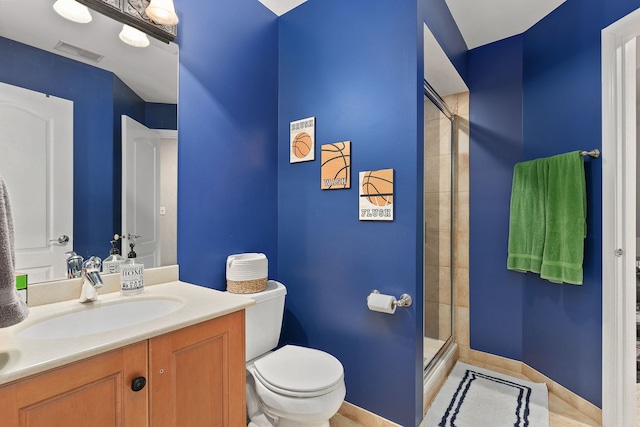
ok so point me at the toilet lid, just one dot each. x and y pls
(292, 369)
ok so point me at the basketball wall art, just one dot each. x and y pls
(302, 140)
(335, 168)
(376, 195)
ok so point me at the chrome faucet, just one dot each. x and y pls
(74, 265)
(91, 280)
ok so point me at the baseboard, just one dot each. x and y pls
(503, 364)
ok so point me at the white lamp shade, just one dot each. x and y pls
(162, 12)
(133, 36)
(73, 11)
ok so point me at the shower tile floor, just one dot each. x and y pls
(430, 348)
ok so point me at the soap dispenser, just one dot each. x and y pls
(114, 261)
(131, 271)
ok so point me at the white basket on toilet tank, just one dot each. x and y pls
(293, 386)
(247, 273)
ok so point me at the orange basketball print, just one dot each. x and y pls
(302, 137)
(301, 145)
(377, 187)
(335, 170)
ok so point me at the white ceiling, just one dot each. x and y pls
(486, 21)
(280, 7)
(152, 72)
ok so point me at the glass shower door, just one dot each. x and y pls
(438, 225)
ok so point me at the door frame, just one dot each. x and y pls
(129, 125)
(618, 221)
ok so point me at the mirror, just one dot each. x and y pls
(104, 78)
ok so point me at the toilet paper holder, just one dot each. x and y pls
(404, 301)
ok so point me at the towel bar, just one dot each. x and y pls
(595, 153)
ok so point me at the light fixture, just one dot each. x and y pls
(72, 10)
(133, 37)
(162, 12)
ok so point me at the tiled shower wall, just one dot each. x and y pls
(459, 105)
(438, 193)
(437, 202)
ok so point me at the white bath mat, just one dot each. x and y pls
(476, 397)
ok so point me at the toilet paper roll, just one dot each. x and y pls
(382, 303)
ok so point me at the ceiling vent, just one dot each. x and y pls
(78, 51)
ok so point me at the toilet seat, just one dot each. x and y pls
(299, 372)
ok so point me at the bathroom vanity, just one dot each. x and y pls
(183, 368)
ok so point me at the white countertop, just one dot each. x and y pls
(21, 357)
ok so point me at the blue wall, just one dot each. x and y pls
(495, 83)
(161, 116)
(99, 97)
(561, 107)
(227, 155)
(358, 77)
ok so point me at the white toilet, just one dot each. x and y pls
(292, 386)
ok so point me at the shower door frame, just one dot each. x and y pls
(437, 100)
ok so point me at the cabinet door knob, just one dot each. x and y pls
(138, 383)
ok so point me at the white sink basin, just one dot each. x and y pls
(97, 318)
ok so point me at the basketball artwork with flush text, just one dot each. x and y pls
(302, 140)
(335, 168)
(376, 195)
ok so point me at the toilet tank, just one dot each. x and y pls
(263, 321)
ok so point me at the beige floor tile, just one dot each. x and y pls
(339, 421)
(637, 405)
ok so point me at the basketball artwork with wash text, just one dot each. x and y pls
(335, 168)
(302, 140)
(376, 195)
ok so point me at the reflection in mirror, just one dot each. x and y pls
(59, 75)
(445, 95)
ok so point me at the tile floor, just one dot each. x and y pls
(561, 414)
(637, 405)
(340, 421)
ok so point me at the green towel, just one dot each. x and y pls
(566, 227)
(527, 218)
(547, 222)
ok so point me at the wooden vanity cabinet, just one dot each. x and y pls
(195, 377)
(92, 392)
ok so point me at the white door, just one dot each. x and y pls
(619, 73)
(141, 190)
(36, 162)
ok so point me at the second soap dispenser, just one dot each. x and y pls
(131, 271)
(113, 263)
